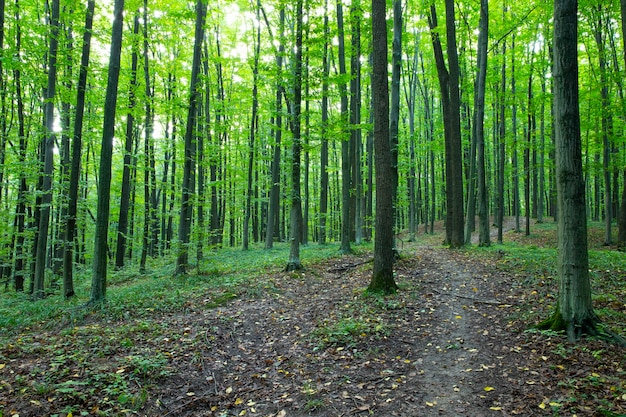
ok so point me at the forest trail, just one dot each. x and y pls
(309, 344)
(451, 342)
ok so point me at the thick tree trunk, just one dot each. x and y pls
(382, 275)
(99, 278)
(574, 312)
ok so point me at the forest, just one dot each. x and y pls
(216, 163)
(89, 113)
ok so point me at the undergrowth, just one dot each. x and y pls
(131, 294)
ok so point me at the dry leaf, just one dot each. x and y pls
(489, 389)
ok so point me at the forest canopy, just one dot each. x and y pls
(212, 115)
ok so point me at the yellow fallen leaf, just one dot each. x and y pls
(431, 404)
(238, 401)
(554, 404)
(542, 405)
(243, 413)
(495, 408)
(229, 390)
(458, 317)
(70, 414)
(2, 365)
(489, 389)
(624, 397)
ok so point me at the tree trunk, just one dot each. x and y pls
(394, 116)
(449, 85)
(356, 192)
(296, 200)
(273, 212)
(621, 233)
(77, 141)
(574, 312)
(346, 181)
(382, 275)
(484, 238)
(323, 209)
(122, 224)
(253, 127)
(48, 156)
(99, 279)
(184, 227)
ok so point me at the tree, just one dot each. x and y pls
(184, 227)
(347, 221)
(382, 276)
(122, 224)
(449, 87)
(295, 226)
(77, 144)
(48, 156)
(479, 131)
(100, 254)
(621, 234)
(574, 312)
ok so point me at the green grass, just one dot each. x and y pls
(131, 294)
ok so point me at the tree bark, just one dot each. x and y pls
(382, 275)
(574, 312)
(99, 278)
(484, 238)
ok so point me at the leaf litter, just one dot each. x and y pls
(451, 342)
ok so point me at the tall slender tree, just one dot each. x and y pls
(100, 254)
(122, 224)
(48, 156)
(295, 226)
(184, 226)
(450, 97)
(77, 146)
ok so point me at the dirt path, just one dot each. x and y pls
(308, 344)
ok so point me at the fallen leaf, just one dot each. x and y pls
(495, 408)
(238, 401)
(2, 365)
(489, 389)
(542, 405)
(281, 413)
(229, 390)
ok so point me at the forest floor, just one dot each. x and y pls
(454, 341)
